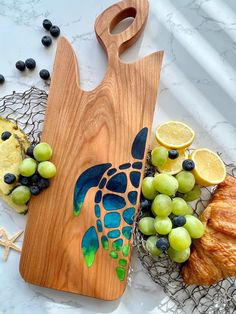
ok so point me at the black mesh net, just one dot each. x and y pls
(27, 109)
(219, 298)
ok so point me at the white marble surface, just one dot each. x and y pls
(197, 86)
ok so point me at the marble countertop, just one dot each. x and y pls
(197, 86)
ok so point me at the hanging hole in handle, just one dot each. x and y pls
(122, 21)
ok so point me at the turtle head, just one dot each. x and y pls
(139, 144)
(88, 179)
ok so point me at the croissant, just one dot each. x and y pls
(213, 257)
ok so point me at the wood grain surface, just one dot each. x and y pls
(87, 129)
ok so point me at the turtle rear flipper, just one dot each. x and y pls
(90, 245)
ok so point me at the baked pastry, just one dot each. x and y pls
(213, 257)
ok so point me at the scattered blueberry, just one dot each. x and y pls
(30, 64)
(9, 178)
(145, 204)
(55, 31)
(24, 181)
(20, 65)
(35, 190)
(173, 154)
(163, 244)
(44, 74)
(29, 151)
(47, 24)
(43, 183)
(2, 79)
(188, 165)
(46, 41)
(179, 221)
(5, 135)
(34, 180)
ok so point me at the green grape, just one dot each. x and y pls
(161, 206)
(47, 169)
(151, 246)
(186, 181)
(42, 152)
(179, 256)
(28, 167)
(163, 225)
(179, 206)
(159, 156)
(20, 195)
(148, 189)
(179, 239)
(194, 194)
(165, 184)
(146, 226)
(194, 227)
(190, 210)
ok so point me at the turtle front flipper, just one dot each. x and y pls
(90, 245)
(88, 179)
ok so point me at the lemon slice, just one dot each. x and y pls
(209, 168)
(174, 134)
(174, 166)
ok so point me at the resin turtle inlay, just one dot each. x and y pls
(110, 206)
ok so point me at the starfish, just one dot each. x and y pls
(8, 243)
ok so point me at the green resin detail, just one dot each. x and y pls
(113, 254)
(105, 243)
(117, 244)
(125, 250)
(122, 262)
(90, 245)
(120, 271)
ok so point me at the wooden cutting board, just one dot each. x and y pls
(79, 232)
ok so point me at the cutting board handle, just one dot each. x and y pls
(115, 44)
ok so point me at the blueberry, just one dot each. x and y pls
(188, 165)
(35, 190)
(20, 65)
(145, 204)
(163, 244)
(29, 151)
(55, 31)
(9, 178)
(24, 181)
(44, 74)
(173, 154)
(46, 41)
(30, 64)
(34, 179)
(179, 221)
(47, 24)
(5, 135)
(2, 79)
(43, 183)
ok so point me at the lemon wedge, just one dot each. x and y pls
(209, 168)
(174, 134)
(174, 166)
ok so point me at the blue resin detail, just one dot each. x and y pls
(113, 202)
(113, 234)
(132, 196)
(117, 183)
(139, 143)
(112, 220)
(97, 210)
(98, 196)
(99, 225)
(125, 166)
(135, 178)
(88, 179)
(90, 245)
(128, 215)
(102, 183)
(117, 244)
(137, 165)
(111, 171)
(127, 231)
